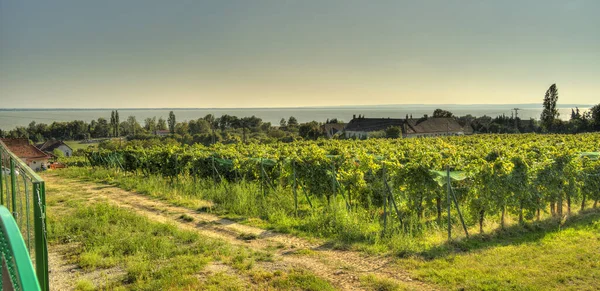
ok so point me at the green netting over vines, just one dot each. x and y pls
(265, 162)
(441, 177)
(591, 155)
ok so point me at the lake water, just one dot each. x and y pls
(11, 118)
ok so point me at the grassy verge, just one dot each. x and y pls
(155, 256)
(546, 256)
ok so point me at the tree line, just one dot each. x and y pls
(206, 130)
(232, 129)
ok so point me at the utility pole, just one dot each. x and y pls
(516, 116)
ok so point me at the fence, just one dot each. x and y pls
(22, 192)
(16, 267)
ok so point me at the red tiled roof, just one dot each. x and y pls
(22, 149)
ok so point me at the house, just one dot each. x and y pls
(332, 129)
(362, 127)
(49, 147)
(162, 133)
(29, 154)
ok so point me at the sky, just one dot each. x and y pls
(285, 53)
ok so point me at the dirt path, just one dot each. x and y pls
(341, 268)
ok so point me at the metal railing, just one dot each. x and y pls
(23, 193)
(16, 268)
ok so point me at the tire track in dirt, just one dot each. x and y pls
(341, 268)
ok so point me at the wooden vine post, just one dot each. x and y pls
(294, 187)
(449, 203)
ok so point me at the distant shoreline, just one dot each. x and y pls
(442, 106)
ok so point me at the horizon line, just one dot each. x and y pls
(282, 107)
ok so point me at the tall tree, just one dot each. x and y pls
(132, 125)
(112, 123)
(101, 128)
(550, 113)
(292, 121)
(595, 112)
(161, 124)
(150, 124)
(172, 122)
(117, 123)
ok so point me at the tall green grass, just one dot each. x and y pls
(360, 228)
(274, 209)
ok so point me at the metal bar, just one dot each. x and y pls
(294, 188)
(27, 214)
(448, 192)
(41, 249)
(392, 199)
(1, 178)
(306, 195)
(5, 194)
(385, 198)
(462, 221)
(13, 187)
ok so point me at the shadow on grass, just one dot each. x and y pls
(513, 235)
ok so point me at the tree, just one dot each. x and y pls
(132, 125)
(438, 113)
(199, 126)
(282, 123)
(393, 132)
(113, 122)
(550, 113)
(595, 112)
(310, 130)
(150, 124)
(101, 128)
(575, 113)
(292, 121)
(161, 124)
(172, 122)
(182, 128)
(117, 123)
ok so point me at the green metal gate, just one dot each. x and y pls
(23, 193)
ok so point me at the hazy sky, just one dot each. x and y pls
(125, 53)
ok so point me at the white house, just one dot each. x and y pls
(49, 147)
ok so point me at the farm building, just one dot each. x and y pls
(162, 132)
(49, 147)
(362, 127)
(32, 156)
(332, 129)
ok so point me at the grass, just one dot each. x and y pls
(186, 218)
(371, 282)
(245, 203)
(548, 256)
(152, 255)
(545, 255)
(75, 145)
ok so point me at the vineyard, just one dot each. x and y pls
(358, 190)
